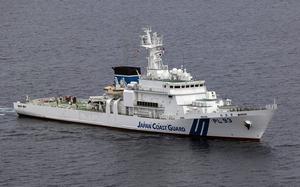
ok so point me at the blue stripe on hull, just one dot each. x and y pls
(193, 128)
(199, 127)
(206, 126)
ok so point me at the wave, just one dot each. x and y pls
(6, 110)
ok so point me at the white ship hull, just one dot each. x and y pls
(230, 125)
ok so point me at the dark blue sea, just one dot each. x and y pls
(248, 51)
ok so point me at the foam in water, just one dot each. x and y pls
(6, 110)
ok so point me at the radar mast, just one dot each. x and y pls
(156, 69)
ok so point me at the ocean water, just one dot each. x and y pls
(248, 51)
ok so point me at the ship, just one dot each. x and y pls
(161, 100)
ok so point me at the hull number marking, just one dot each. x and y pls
(222, 120)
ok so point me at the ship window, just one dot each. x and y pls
(171, 86)
(187, 86)
(182, 86)
(147, 104)
(201, 84)
(177, 86)
(192, 86)
(165, 86)
(197, 85)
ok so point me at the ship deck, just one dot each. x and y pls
(81, 104)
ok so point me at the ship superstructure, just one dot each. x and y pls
(161, 100)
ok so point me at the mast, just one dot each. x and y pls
(156, 69)
(153, 42)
